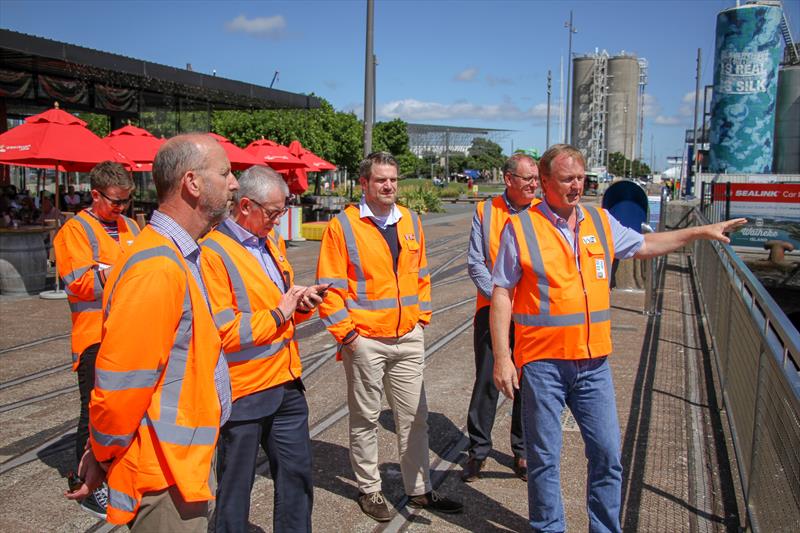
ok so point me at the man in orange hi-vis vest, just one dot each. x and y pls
(521, 177)
(256, 306)
(554, 262)
(373, 257)
(86, 247)
(162, 387)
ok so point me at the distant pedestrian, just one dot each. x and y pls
(521, 177)
(88, 245)
(373, 255)
(553, 262)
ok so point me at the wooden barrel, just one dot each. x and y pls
(23, 260)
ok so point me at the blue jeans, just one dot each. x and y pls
(586, 387)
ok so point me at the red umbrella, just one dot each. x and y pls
(139, 146)
(314, 162)
(56, 139)
(273, 154)
(239, 159)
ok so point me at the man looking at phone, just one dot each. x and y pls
(256, 307)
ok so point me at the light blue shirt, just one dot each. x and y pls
(166, 226)
(508, 271)
(393, 217)
(257, 247)
(476, 260)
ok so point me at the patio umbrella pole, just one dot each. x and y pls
(56, 294)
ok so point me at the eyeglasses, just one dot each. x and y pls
(525, 179)
(271, 215)
(116, 202)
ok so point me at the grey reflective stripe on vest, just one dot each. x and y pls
(415, 223)
(178, 359)
(372, 305)
(133, 227)
(82, 307)
(138, 257)
(601, 233)
(536, 263)
(237, 282)
(486, 227)
(600, 316)
(70, 278)
(336, 317)
(223, 317)
(425, 305)
(574, 319)
(252, 353)
(171, 433)
(93, 242)
(409, 300)
(105, 439)
(355, 258)
(75, 357)
(336, 283)
(120, 500)
(112, 380)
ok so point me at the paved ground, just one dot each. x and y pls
(675, 447)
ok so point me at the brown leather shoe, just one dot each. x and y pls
(472, 469)
(374, 506)
(521, 468)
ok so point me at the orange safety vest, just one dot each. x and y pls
(260, 355)
(80, 245)
(493, 216)
(367, 294)
(154, 409)
(558, 311)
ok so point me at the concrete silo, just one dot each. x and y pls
(622, 105)
(787, 121)
(747, 54)
(582, 85)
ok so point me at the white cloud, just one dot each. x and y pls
(665, 120)
(466, 74)
(413, 110)
(258, 26)
(494, 81)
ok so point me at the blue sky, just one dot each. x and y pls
(465, 63)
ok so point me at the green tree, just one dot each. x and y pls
(390, 137)
(99, 124)
(485, 154)
(619, 165)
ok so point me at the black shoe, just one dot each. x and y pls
(374, 506)
(433, 501)
(521, 468)
(96, 502)
(472, 469)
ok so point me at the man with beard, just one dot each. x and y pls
(86, 247)
(521, 176)
(256, 307)
(373, 257)
(554, 262)
(162, 387)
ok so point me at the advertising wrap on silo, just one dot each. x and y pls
(745, 84)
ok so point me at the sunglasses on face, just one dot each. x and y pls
(116, 202)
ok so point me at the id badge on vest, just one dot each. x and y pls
(599, 264)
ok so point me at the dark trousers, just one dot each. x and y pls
(483, 404)
(85, 386)
(284, 437)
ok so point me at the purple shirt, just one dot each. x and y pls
(507, 269)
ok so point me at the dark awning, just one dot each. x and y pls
(84, 69)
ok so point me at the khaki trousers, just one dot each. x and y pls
(394, 365)
(166, 510)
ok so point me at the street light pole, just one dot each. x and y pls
(369, 83)
(571, 29)
(549, 87)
